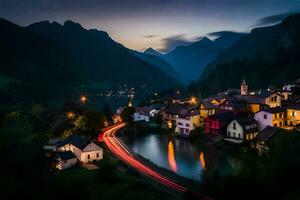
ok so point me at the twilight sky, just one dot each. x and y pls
(161, 24)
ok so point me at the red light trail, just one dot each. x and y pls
(120, 150)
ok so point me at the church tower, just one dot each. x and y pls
(244, 87)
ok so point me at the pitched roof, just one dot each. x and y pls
(143, 110)
(189, 112)
(294, 107)
(274, 110)
(75, 140)
(251, 99)
(246, 122)
(236, 103)
(208, 105)
(267, 133)
(222, 116)
(244, 82)
(175, 108)
(65, 155)
(266, 93)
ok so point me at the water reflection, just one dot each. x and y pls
(171, 157)
(202, 160)
(184, 157)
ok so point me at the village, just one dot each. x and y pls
(244, 116)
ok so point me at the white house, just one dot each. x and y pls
(241, 130)
(187, 121)
(142, 114)
(65, 160)
(85, 150)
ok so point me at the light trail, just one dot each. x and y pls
(120, 150)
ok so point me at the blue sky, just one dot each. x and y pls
(139, 24)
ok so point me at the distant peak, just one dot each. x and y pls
(151, 51)
(46, 22)
(72, 24)
(203, 41)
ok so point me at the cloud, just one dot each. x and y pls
(150, 36)
(272, 19)
(174, 41)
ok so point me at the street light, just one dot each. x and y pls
(70, 115)
(193, 100)
(83, 99)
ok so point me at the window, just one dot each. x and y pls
(240, 136)
(179, 123)
(88, 156)
(228, 133)
(275, 98)
(275, 124)
(280, 123)
(187, 125)
(234, 126)
(265, 116)
(97, 155)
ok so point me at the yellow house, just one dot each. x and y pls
(271, 98)
(208, 107)
(293, 115)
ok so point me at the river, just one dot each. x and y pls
(187, 158)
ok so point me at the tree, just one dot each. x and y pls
(127, 114)
(107, 112)
(95, 122)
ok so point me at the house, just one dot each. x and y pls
(187, 120)
(264, 137)
(254, 103)
(274, 117)
(242, 130)
(233, 105)
(217, 123)
(85, 150)
(170, 114)
(142, 114)
(293, 115)
(65, 160)
(285, 94)
(208, 107)
(271, 98)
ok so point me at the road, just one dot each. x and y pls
(120, 150)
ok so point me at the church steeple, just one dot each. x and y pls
(244, 87)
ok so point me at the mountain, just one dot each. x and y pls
(266, 56)
(38, 66)
(157, 61)
(189, 61)
(103, 58)
(152, 52)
